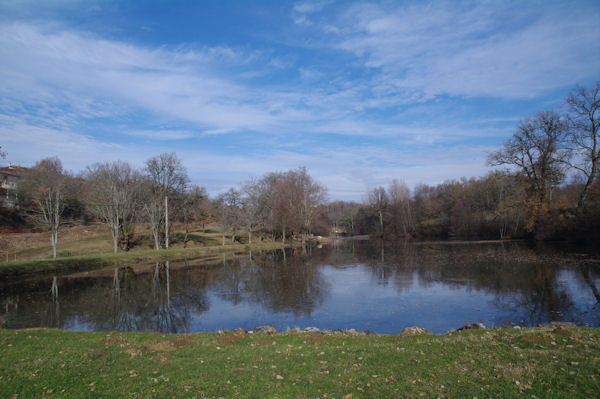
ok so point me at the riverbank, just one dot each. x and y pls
(536, 362)
(68, 264)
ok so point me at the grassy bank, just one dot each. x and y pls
(537, 362)
(98, 260)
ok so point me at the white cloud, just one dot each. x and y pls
(55, 66)
(368, 106)
(302, 10)
(160, 134)
(492, 49)
(27, 144)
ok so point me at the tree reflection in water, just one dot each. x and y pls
(392, 285)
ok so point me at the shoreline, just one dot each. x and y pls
(27, 268)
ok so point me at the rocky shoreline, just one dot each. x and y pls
(414, 330)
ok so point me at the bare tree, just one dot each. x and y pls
(286, 196)
(2, 153)
(264, 191)
(228, 212)
(166, 176)
(584, 120)
(249, 214)
(113, 196)
(312, 195)
(379, 201)
(537, 151)
(401, 210)
(43, 191)
(342, 215)
(192, 208)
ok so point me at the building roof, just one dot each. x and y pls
(12, 170)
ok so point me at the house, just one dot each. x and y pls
(9, 176)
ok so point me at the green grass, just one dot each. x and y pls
(562, 363)
(97, 260)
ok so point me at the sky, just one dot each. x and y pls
(359, 93)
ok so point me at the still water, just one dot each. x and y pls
(365, 285)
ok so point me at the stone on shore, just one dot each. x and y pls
(265, 330)
(413, 331)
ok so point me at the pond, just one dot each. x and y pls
(362, 285)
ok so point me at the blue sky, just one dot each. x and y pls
(358, 92)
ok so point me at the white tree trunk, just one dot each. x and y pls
(166, 222)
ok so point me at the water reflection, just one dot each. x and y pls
(351, 284)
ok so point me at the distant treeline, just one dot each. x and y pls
(497, 206)
(546, 188)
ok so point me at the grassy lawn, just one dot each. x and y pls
(93, 261)
(537, 362)
(88, 247)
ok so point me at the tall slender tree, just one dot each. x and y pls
(166, 176)
(43, 190)
(379, 201)
(113, 196)
(537, 150)
(584, 135)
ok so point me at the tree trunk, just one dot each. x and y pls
(166, 222)
(115, 234)
(187, 232)
(586, 188)
(283, 236)
(54, 239)
(156, 239)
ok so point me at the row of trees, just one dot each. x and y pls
(529, 196)
(114, 193)
(120, 196)
(277, 203)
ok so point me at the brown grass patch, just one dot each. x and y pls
(229, 340)
(170, 345)
(163, 346)
(135, 350)
(181, 341)
(265, 342)
(561, 331)
(163, 357)
(533, 338)
(317, 338)
(114, 341)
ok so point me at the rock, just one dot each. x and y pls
(413, 331)
(556, 324)
(265, 330)
(516, 326)
(472, 326)
(312, 329)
